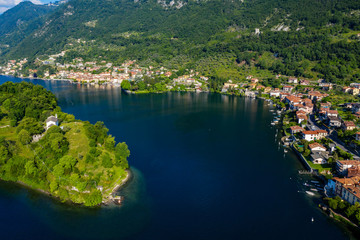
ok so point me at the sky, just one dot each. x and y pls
(6, 4)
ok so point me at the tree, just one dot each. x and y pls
(58, 142)
(58, 170)
(31, 125)
(351, 210)
(110, 143)
(333, 203)
(24, 137)
(106, 161)
(125, 85)
(54, 186)
(93, 199)
(30, 168)
(4, 154)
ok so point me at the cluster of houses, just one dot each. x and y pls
(347, 184)
(12, 66)
(354, 89)
(100, 72)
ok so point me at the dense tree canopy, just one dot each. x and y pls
(70, 161)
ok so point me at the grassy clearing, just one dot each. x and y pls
(78, 142)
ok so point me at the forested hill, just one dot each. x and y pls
(309, 38)
(20, 21)
(68, 158)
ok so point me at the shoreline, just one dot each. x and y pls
(107, 199)
(110, 197)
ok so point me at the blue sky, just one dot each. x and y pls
(6, 4)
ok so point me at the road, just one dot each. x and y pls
(333, 136)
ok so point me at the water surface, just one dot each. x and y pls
(206, 166)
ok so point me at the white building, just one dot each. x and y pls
(51, 121)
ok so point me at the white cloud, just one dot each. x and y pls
(3, 9)
(11, 3)
(6, 4)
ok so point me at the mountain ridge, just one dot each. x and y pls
(159, 32)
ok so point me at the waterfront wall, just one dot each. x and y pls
(302, 158)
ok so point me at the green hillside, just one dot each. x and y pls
(20, 21)
(216, 37)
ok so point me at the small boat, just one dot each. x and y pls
(285, 151)
(312, 219)
(310, 193)
(118, 200)
(273, 123)
(306, 184)
(314, 189)
(314, 181)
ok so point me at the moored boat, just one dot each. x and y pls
(310, 193)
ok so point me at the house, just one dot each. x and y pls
(252, 85)
(292, 100)
(319, 157)
(274, 93)
(314, 135)
(326, 86)
(304, 82)
(293, 80)
(228, 86)
(343, 166)
(355, 85)
(296, 129)
(288, 88)
(316, 147)
(353, 171)
(259, 87)
(254, 80)
(316, 96)
(267, 89)
(301, 117)
(331, 113)
(51, 121)
(326, 105)
(334, 121)
(346, 89)
(348, 125)
(355, 91)
(348, 189)
(283, 95)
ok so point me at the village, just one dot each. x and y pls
(104, 73)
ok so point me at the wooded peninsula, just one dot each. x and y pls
(49, 150)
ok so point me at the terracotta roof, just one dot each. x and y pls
(315, 145)
(293, 99)
(300, 112)
(294, 128)
(332, 111)
(315, 132)
(301, 116)
(349, 124)
(349, 162)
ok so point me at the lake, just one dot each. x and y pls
(205, 166)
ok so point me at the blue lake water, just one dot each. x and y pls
(205, 166)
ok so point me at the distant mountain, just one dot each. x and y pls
(20, 21)
(303, 38)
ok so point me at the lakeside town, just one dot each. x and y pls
(319, 120)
